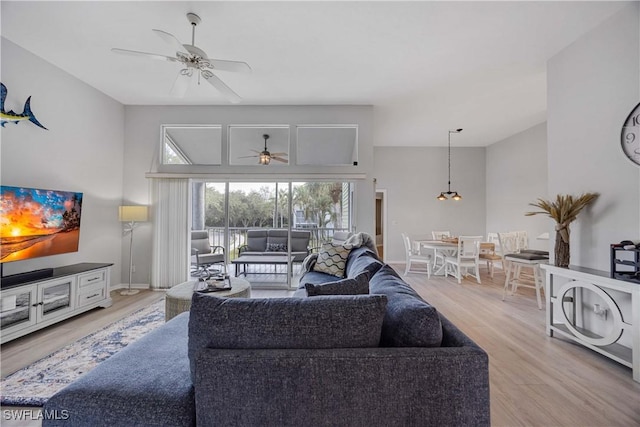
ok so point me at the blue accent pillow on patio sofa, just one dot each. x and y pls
(409, 320)
(278, 323)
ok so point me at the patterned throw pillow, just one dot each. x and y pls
(358, 285)
(332, 259)
(276, 247)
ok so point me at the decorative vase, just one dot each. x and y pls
(562, 252)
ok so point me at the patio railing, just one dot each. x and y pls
(238, 237)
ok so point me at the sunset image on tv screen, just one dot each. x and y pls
(35, 223)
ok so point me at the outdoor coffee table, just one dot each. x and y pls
(245, 260)
(178, 298)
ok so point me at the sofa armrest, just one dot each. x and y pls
(355, 387)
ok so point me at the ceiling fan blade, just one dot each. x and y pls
(172, 40)
(223, 88)
(150, 55)
(246, 157)
(224, 65)
(280, 159)
(280, 154)
(180, 85)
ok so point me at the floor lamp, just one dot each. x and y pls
(132, 215)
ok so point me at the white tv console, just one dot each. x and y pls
(619, 304)
(70, 290)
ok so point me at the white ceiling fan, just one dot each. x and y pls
(265, 157)
(193, 59)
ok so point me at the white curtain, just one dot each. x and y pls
(171, 253)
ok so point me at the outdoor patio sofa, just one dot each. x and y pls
(386, 358)
(274, 241)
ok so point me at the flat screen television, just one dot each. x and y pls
(36, 223)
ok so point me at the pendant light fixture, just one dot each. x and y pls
(454, 194)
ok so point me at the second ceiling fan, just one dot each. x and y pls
(194, 60)
(265, 157)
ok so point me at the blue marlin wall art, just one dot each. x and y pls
(11, 116)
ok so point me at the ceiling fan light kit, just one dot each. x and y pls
(454, 194)
(265, 156)
(194, 59)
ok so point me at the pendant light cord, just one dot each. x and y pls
(449, 186)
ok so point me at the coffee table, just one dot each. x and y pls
(178, 298)
(245, 260)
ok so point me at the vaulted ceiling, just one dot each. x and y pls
(425, 66)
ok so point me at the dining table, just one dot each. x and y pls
(448, 247)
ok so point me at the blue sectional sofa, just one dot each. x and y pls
(386, 358)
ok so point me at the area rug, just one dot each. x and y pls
(34, 384)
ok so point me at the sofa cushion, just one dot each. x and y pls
(256, 240)
(352, 286)
(332, 259)
(362, 259)
(316, 278)
(526, 256)
(300, 240)
(277, 323)
(409, 320)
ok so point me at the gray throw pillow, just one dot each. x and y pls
(358, 285)
(345, 321)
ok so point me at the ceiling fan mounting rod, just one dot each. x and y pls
(194, 20)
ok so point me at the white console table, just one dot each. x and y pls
(566, 312)
(68, 291)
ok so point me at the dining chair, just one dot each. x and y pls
(515, 261)
(438, 257)
(413, 256)
(508, 242)
(522, 240)
(438, 235)
(492, 256)
(466, 258)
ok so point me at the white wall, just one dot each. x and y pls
(142, 136)
(517, 176)
(414, 177)
(592, 86)
(82, 151)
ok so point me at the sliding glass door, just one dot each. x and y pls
(229, 209)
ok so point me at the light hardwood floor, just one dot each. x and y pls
(535, 380)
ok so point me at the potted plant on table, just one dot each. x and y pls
(564, 210)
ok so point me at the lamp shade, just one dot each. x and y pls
(133, 213)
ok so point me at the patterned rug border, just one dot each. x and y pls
(34, 384)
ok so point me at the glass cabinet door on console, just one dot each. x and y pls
(18, 308)
(54, 298)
